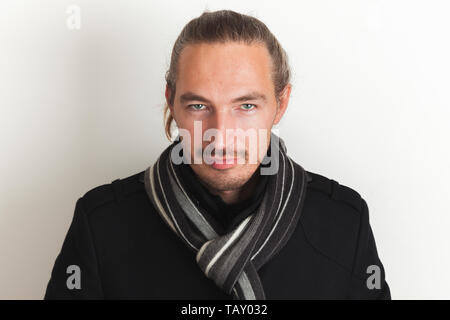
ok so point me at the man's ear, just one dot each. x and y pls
(167, 94)
(284, 101)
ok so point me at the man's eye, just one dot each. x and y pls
(248, 106)
(197, 106)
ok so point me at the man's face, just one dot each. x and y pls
(211, 78)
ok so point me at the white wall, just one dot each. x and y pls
(369, 108)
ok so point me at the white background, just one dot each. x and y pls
(369, 109)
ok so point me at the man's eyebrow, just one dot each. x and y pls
(251, 96)
(190, 96)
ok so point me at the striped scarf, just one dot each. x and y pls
(232, 259)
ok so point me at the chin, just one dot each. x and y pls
(223, 180)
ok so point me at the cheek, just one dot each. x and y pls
(259, 120)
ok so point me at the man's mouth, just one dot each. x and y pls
(223, 163)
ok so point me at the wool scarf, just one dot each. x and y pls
(231, 259)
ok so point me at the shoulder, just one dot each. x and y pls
(113, 192)
(334, 190)
(332, 218)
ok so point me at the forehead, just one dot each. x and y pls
(224, 66)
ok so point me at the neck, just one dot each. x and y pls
(236, 195)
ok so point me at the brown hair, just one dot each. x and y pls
(223, 26)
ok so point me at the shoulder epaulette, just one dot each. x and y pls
(114, 191)
(335, 190)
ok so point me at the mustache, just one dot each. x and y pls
(223, 153)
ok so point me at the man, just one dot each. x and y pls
(218, 217)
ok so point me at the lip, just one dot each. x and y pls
(225, 163)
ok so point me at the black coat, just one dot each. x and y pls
(126, 251)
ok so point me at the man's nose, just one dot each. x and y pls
(221, 121)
